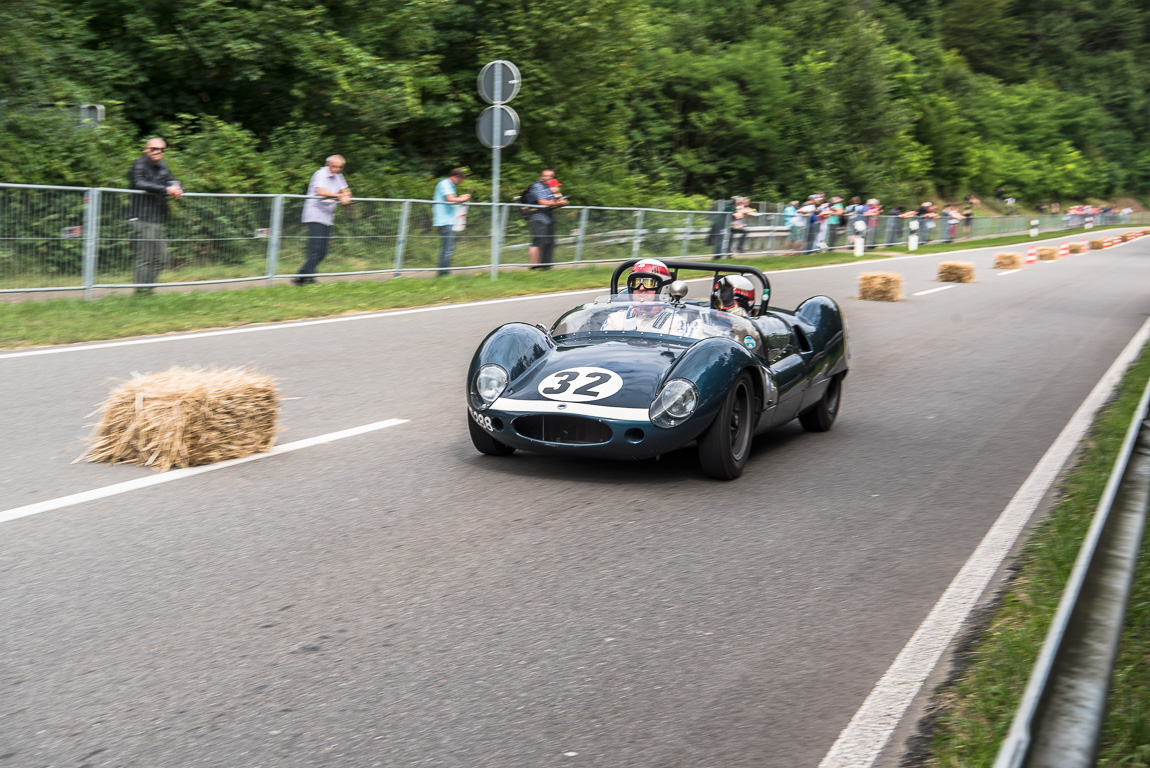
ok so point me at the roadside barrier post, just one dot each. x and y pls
(274, 230)
(579, 238)
(401, 237)
(686, 237)
(912, 238)
(1034, 227)
(860, 237)
(91, 240)
(637, 240)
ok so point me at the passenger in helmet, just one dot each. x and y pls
(649, 312)
(734, 294)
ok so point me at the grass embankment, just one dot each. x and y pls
(978, 708)
(1079, 233)
(64, 321)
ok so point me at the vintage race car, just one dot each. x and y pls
(599, 385)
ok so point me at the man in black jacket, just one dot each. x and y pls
(147, 212)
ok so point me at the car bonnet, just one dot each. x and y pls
(621, 372)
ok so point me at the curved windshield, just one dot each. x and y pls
(624, 314)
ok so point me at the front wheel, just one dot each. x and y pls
(485, 443)
(725, 446)
(820, 416)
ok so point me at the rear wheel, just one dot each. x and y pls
(484, 442)
(820, 416)
(725, 446)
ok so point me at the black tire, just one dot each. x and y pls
(821, 416)
(725, 446)
(485, 443)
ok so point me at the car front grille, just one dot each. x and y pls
(561, 428)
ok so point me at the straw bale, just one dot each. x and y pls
(880, 286)
(185, 417)
(1077, 247)
(1047, 254)
(1007, 261)
(956, 272)
(1097, 245)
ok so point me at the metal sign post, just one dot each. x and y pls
(498, 126)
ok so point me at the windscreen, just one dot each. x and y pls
(623, 314)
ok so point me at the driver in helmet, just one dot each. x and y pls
(734, 294)
(649, 311)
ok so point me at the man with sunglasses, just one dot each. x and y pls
(148, 212)
(326, 188)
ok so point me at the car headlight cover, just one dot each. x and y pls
(674, 404)
(490, 383)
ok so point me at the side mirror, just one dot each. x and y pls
(678, 290)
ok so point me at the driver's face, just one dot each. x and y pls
(643, 293)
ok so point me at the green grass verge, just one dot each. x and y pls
(979, 706)
(64, 321)
(1005, 240)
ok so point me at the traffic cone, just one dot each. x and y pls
(1063, 250)
(1032, 255)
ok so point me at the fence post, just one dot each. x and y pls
(91, 240)
(687, 232)
(401, 236)
(498, 224)
(579, 239)
(637, 240)
(274, 232)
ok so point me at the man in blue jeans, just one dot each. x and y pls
(444, 215)
(328, 185)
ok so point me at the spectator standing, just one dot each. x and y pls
(445, 214)
(871, 212)
(326, 189)
(837, 219)
(926, 216)
(895, 225)
(968, 214)
(545, 193)
(149, 211)
(739, 222)
(810, 219)
(794, 223)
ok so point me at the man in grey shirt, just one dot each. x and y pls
(148, 211)
(326, 189)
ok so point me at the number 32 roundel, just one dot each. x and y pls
(580, 385)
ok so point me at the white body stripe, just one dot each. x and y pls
(577, 409)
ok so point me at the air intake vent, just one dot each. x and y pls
(561, 428)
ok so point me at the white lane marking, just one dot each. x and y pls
(861, 742)
(1008, 272)
(180, 474)
(55, 350)
(934, 290)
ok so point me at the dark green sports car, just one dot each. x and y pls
(625, 378)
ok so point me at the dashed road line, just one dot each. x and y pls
(934, 290)
(180, 474)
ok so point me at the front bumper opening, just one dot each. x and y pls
(561, 428)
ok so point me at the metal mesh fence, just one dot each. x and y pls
(66, 238)
(41, 237)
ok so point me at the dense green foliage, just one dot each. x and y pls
(633, 100)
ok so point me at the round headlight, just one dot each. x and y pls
(490, 383)
(674, 404)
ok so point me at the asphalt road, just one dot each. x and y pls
(397, 599)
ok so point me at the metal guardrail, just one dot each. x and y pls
(1060, 718)
(79, 239)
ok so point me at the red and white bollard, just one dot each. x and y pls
(1063, 250)
(1032, 255)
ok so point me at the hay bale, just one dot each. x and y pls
(1007, 261)
(880, 286)
(1077, 247)
(956, 272)
(1047, 254)
(1097, 245)
(185, 417)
